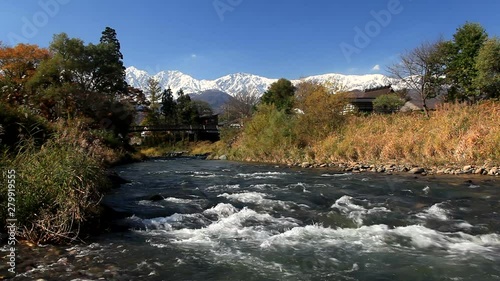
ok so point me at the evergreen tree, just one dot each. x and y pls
(461, 68)
(187, 113)
(112, 71)
(109, 37)
(281, 94)
(168, 106)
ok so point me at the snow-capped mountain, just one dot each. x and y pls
(245, 83)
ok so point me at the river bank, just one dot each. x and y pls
(456, 139)
(220, 151)
(389, 168)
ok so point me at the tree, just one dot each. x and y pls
(388, 103)
(461, 70)
(488, 67)
(17, 66)
(109, 37)
(154, 89)
(421, 70)
(280, 93)
(112, 69)
(66, 83)
(321, 110)
(202, 108)
(240, 106)
(168, 106)
(187, 113)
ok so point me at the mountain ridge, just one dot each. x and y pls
(233, 84)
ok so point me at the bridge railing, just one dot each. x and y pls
(166, 128)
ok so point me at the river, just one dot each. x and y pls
(216, 220)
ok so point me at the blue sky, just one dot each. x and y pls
(274, 38)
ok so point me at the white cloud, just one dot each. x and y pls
(193, 56)
(376, 68)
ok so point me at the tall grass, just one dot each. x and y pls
(454, 134)
(58, 188)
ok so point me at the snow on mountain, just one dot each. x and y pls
(352, 82)
(245, 83)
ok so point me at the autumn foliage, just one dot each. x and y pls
(18, 64)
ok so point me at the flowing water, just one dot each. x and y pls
(206, 220)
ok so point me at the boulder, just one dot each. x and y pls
(156, 197)
(416, 170)
(493, 171)
(305, 165)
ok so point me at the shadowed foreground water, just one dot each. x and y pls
(233, 221)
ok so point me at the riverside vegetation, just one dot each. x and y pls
(64, 116)
(454, 136)
(313, 125)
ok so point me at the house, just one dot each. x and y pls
(210, 119)
(414, 102)
(363, 100)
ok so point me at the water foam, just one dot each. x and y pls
(257, 198)
(355, 212)
(150, 203)
(337, 175)
(244, 224)
(222, 210)
(262, 175)
(383, 238)
(203, 175)
(177, 200)
(223, 187)
(436, 211)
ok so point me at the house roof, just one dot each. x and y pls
(370, 93)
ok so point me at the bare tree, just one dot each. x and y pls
(240, 106)
(421, 70)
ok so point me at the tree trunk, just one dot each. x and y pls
(426, 110)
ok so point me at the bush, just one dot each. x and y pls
(388, 103)
(268, 136)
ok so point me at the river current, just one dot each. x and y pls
(215, 220)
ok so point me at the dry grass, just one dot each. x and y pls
(454, 134)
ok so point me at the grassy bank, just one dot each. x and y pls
(58, 189)
(189, 148)
(454, 135)
(60, 175)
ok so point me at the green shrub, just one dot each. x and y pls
(268, 136)
(388, 103)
